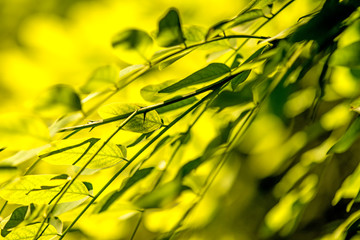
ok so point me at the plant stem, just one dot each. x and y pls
(130, 161)
(68, 184)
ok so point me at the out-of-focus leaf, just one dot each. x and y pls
(348, 138)
(79, 151)
(112, 197)
(229, 99)
(239, 79)
(348, 56)
(187, 168)
(20, 132)
(142, 123)
(240, 19)
(151, 92)
(210, 72)
(173, 59)
(16, 217)
(176, 105)
(58, 100)
(102, 77)
(29, 232)
(133, 45)
(138, 140)
(170, 32)
(160, 196)
(40, 189)
(194, 34)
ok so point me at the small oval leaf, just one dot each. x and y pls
(79, 151)
(348, 56)
(40, 189)
(102, 77)
(58, 100)
(20, 132)
(170, 32)
(141, 123)
(28, 232)
(133, 45)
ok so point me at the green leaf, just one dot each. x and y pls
(40, 189)
(112, 197)
(151, 92)
(160, 196)
(29, 232)
(210, 72)
(240, 78)
(177, 105)
(170, 32)
(101, 78)
(348, 56)
(16, 217)
(79, 151)
(228, 99)
(22, 132)
(238, 20)
(194, 34)
(142, 123)
(58, 100)
(133, 45)
(348, 138)
(164, 64)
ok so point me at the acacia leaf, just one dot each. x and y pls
(142, 123)
(102, 77)
(170, 32)
(133, 45)
(40, 189)
(78, 152)
(28, 232)
(241, 77)
(22, 132)
(16, 217)
(58, 100)
(210, 72)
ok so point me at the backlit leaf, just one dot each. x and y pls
(29, 232)
(58, 100)
(133, 45)
(102, 77)
(40, 189)
(210, 72)
(170, 32)
(19, 131)
(79, 151)
(141, 123)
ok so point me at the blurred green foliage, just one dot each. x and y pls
(157, 120)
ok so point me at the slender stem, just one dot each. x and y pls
(130, 161)
(68, 184)
(216, 170)
(137, 226)
(3, 207)
(152, 107)
(261, 26)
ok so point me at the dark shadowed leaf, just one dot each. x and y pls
(16, 217)
(170, 32)
(168, 61)
(79, 151)
(142, 123)
(239, 79)
(210, 72)
(102, 77)
(348, 138)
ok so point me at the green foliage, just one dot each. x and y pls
(260, 143)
